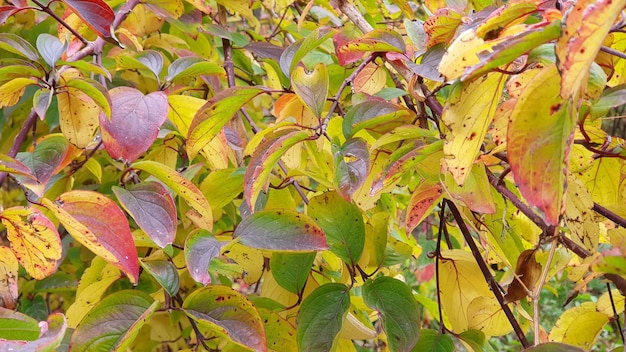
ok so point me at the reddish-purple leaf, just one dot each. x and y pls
(100, 225)
(264, 50)
(153, 209)
(12, 166)
(341, 38)
(48, 158)
(200, 248)
(352, 164)
(134, 124)
(95, 13)
(421, 204)
(281, 230)
(6, 12)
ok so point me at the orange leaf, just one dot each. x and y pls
(100, 225)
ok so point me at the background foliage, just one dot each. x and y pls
(312, 175)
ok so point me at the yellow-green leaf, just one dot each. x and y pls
(78, 116)
(311, 87)
(587, 23)
(579, 326)
(469, 112)
(539, 140)
(11, 92)
(8, 278)
(182, 186)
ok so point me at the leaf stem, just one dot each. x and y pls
(491, 281)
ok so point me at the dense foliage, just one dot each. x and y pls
(311, 175)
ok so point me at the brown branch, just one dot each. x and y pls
(491, 281)
(614, 52)
(47, 10)
(609, 214)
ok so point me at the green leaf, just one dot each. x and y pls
(311, 87)
(291, 270)
(165, 273)
(51, 48)
(200, 248)
(378, 40)
(375, 115)
(239, 39)
(95, 91)
(149, 60)
(342, 222)
(398, 309)
(433, 340)
(352, 163)
(49, 341)
(281, 230)
(191, 66)
(115, 322)
(611, 98)
(87, 66)
(227, 313)
(292, 55)
(265, 157)
(321, 316)
(210, 119)
(17, 45)
(48, 158)
(182, 186)
(17, 326)
(539, 139)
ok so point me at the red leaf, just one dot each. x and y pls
(6, 12)
(95, 13)
(100, 225)
(341, 38)
(134, 124)
(200, 248)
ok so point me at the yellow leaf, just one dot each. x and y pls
(461, 281)
(241, 7)
(249, 259)
(586, 25)
(579, 216)
(8, 278)
(486, 315)
(463, 53)
(93, 284)
(354, 329)
(78, 116)
(289, 106)
(468, 114)
(579, 326)
(606, 306)
(371, 79)
(34, 240)
(11, 92)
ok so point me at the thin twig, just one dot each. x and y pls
(486, 273)
(20, 139)
(609, 214)
(47, 10)
(614, 52)
(536, 293)
(615, 315)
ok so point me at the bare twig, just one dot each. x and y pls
(609, 214)
(47, 10)
(613, 52)
(491, 281)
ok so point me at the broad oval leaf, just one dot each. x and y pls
(210, 119)
(50, 48)
(579, 326)
(342, 222)
(191, 66)
(375, 115)
(265, 157)
(134, 124)
(78, 116)
(96, 91)
(12, 91)
(34, 240)
(114, 322)
(321, 316)
(422, 202)
(15, 44)
(281, 230)
(587, 24)
(17, 326)
(165, 273)
(152, 208)
(52, 333)
(352, 163)
(200, 248)
(379, 40)
(13, 166)
(228, 313)
(280, 333)
(50, 156)
(399, 311)
(433, 340)
(291, 270)
(100, 225)
(97, 14)
(311, 87)
(9, 267)
(467, 116)
(182, 186)
(539, 139)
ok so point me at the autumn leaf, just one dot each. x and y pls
(34, 240)
(528, 271)
(9, 267)
(539, 139)
(100, 225)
